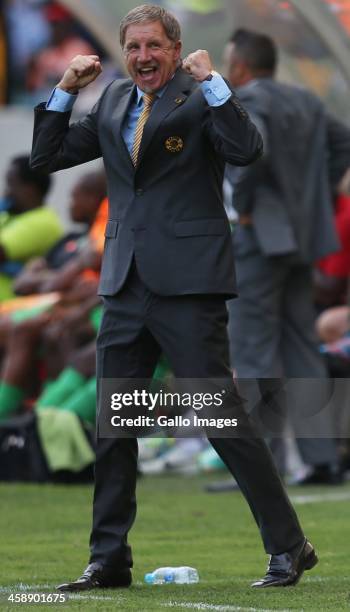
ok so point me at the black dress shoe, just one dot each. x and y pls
(321, 475)
(97, 576)
(286, 569)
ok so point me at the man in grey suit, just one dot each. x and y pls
(284, 203)
(165, 136)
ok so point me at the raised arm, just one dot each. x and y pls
(56, 144)
(229, 128)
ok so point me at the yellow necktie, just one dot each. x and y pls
(148, 100)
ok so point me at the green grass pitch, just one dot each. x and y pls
(44, 532)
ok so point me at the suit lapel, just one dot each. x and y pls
(174, 96)
(118, 116)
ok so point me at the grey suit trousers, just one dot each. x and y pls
(271, 330)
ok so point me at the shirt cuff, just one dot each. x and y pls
(216, 91)
(61, 101)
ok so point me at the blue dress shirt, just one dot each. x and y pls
(216, 92)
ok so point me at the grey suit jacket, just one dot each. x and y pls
(288, 191)
(168, 212)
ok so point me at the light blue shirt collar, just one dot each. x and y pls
(140, 93)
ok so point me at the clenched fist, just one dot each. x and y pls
(198, 64)
(82, 70)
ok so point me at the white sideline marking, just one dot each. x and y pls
(216, 608)
(320, 497)
(20, 586)
(97, 597)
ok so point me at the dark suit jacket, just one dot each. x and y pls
(168, 212)
(288, 191)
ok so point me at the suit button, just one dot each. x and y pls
(139, 192)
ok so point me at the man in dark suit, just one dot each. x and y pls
(284, 202)
(165, 136)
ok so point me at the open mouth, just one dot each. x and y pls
(147, 73)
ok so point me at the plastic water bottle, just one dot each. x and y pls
(172, 575)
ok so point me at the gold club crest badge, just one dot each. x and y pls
(174, 144)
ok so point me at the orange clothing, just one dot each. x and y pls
(96, 236)
(97, 230)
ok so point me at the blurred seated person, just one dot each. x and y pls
(88, 206)
(333, 329)
(332, 272)
(55, 272)
(28, 228)
(38, 349)
(31, 345)
(71, 288)
(333, 324)
(46, 67)
(72, 322)
(85, 267)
